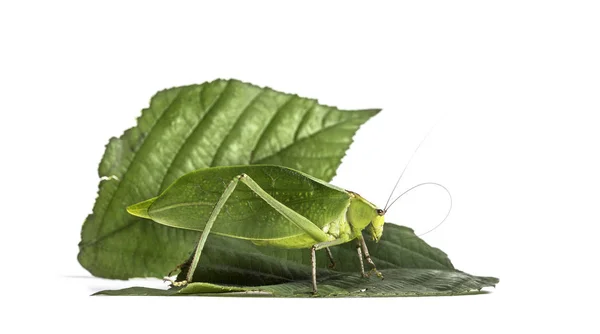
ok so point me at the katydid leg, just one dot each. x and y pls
(313, 258)
(213, 216)
(302, 222)
(183, 266)
(332, 262)
(365, 251)
(360, 259)
(313, 262)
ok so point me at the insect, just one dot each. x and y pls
(268, 205)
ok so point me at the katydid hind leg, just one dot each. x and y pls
(213, 216)
(183, 267)
(294, 217)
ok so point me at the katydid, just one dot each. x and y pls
(268, 205)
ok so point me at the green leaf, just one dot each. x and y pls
(410, 267)
(397, 283)
(224, 122)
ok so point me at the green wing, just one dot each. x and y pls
(188, 202)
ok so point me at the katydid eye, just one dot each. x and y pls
(380, 212)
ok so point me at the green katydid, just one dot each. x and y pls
(274, 205)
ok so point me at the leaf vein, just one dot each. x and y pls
(133, 160)
(342, 123)
(266, 129)
(237, 122)
(196, 127)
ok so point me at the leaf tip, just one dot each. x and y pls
(370, 112)
(141, 209)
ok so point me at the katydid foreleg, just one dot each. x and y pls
(365, 251)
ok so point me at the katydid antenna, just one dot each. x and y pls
(389, 204)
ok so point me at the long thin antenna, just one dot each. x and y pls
(405, 167)
(423, 184)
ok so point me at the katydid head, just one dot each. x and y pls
(363, 214)
(376, 226)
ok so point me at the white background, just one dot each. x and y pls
(512, 88)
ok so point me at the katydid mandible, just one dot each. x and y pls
(268, 205)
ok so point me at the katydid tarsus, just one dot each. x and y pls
(268, 205)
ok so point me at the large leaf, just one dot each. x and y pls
(410, 267)
(186, 128)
